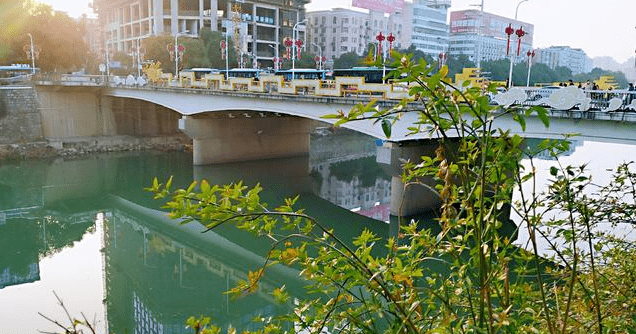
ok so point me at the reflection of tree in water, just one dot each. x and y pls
(365, 169)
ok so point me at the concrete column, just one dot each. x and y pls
(157, 14)
(412, 199)
(214, 7)
(174, 17)
(224, 140)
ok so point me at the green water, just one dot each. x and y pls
(84, 230)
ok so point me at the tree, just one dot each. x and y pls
(58, 37)
(464, 274)
(347, 60)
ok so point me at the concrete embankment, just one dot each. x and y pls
(28, 127)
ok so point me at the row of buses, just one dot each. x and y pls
(357, 81)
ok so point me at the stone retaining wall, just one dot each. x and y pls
(20, 120)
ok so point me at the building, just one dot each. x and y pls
(430, 32)
(563, 56)
(338, 31)
(262, 24)
(491, 42)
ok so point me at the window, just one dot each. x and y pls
(335, 20)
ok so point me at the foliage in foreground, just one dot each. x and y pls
(467, 276)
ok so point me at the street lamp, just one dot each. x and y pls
(319, 55)
(32, 54)
(275, 47)
(519, 33)
(530, 56)
(295, 38)
(176, 52)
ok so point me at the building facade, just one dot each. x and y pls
(430, 32)
(262, 24)
(339, 31)
(563, 56)
(491, 42)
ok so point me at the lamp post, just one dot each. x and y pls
(275, 47)
(295, 38)
(520, 34)
(108, 42)
(319, 55)
(530, 57)
(32, 54)
(176, 52)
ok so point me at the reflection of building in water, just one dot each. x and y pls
(179, 272)
(343, 164)
(7, 277)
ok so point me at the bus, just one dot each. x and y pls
(302, 73)
(200, 72)
(370, 74)
(16, 73)
(243, 73)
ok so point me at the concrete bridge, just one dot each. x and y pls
(240, 126)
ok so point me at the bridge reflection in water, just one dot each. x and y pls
(157, 273)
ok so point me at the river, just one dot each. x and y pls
(85, 231)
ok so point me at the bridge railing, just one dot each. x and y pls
(603, 100)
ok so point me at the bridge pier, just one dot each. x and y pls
(412, 199)
(235, 137)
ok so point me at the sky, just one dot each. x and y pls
(600, 28)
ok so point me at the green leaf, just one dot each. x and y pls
(554, 171)
(386, 127)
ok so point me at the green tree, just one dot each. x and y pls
(463, 274)
(347, 60)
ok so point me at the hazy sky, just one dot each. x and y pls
(600, 28)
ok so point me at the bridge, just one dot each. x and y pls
(241, 125)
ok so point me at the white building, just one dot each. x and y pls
(430, 32)
(263, 23)
(339, 31)
(563, 56)
(491, 41)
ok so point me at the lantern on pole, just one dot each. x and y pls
(509, 32)
(299, 44)
(223, 48)
(288, 44)
(530, 56)
(390, 39)
(380, 39)
(520, 33)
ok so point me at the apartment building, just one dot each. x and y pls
(564, 56)
(491, 41)
(430, 32)
(263, 24)
(338, 31)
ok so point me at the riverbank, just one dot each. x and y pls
(78, 147)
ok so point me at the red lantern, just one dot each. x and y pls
(509, 31)
(299, 44)
(520, 33)
(391, 39)
(288, 44)
(380, 39)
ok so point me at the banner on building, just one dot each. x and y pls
(386, 6)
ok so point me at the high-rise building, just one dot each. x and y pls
(262, 23)
(429, 27)
(482, 35)
(563, 56)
